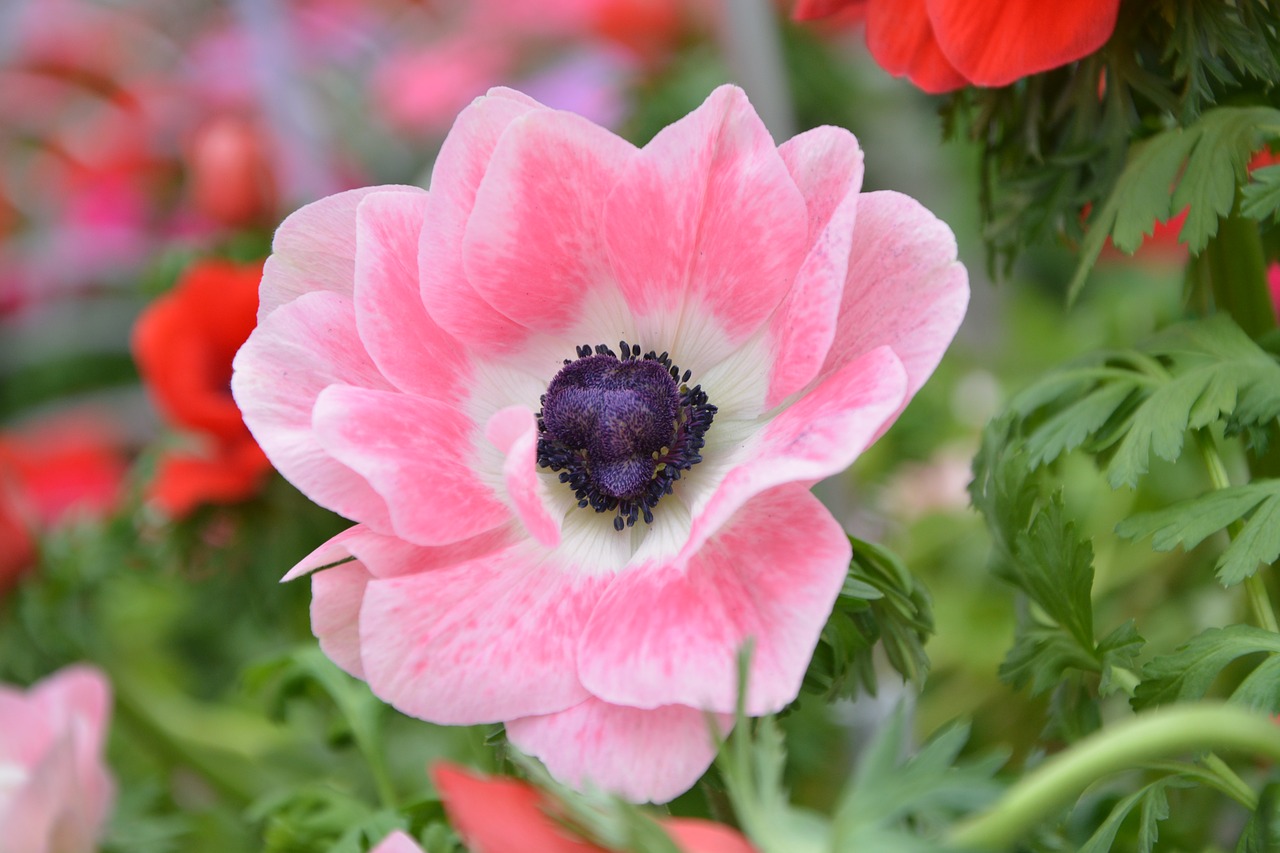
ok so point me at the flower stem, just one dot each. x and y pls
(1255, 588)
(1152, 736)
(1235, 270)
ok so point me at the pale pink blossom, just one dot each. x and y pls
(55, 790)
(397, 842)
(405, 344)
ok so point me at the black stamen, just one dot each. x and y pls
(622, 430)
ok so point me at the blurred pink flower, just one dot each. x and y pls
(937, 485)
(55, 790)
(1273, 282)
(421, 88)
(572, 539)
(397, 842)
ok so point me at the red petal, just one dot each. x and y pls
(495, 815)
(184, 342)
(234, 473)
(994, 42)
(902, 41)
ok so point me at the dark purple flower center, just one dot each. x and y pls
(621, 430)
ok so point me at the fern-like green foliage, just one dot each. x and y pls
(1152, 803)
(1254, 508)
(1193, 668)
(1126, 405)
(1198, 168)
(1038, 550)
(1057, 144)
(880, 603)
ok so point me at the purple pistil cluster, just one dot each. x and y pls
(622, 430)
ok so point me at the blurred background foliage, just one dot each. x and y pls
(138, 138)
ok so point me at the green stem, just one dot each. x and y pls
(1254, 587)
(1148, 737)
(1235, 269)
(1239, 789)
(1213, 772)
(173, 751)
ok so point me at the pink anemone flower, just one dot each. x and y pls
(576, 395)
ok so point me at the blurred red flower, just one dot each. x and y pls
(941, 45)
(494, 815)
(54, 469)
(183, 345)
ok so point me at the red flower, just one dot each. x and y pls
(183, 344)
(496, 815)
(941, 45)
(58, 468)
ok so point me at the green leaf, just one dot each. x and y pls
(1261, 688)
(1132, 404)
(1215, 151)
(1119, 650)
(1214, 371)
(1055, 568)
(1068, 428)
(880, 603)
(1038, 550)
(1154, 807)
(1258, 542)
(1139, 199)
(1262, 833)
(1193, 667)
(1228, 137)
(1262, 195)
(1188, 523)
(1041, 657)
(927, 787)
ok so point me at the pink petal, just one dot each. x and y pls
(294, 353)
(452, 302)
(819, 435)
(391, 557)
(640, 755)
(534, 246)
(479, 642)
(417, 454)
(65, 799)
(405, 343)
(905, 288)
(706, 230)
(333, 551)
(361, 555)
(314, 249)
(670, 633)
(826, 165)
(336, 596)
(514, 431)
(397, 842)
